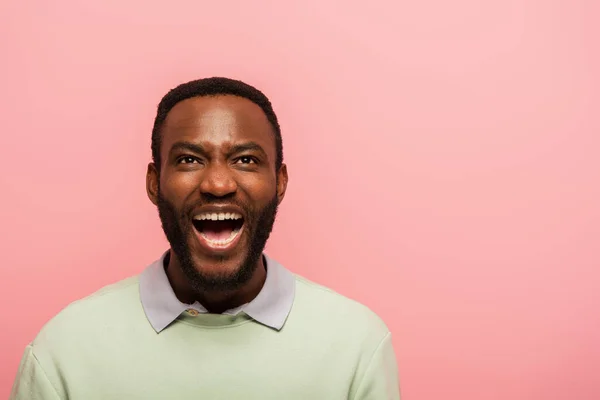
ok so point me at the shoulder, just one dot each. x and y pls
(329, 307)
(106, 299)
(90, 315)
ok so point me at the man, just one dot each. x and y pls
(214, 317)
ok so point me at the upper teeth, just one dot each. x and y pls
(218, 216)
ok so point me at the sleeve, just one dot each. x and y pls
(380, 381)
(31, 382)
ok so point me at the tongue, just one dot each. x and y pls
(217, 230)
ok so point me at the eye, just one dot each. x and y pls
(187, 160)
(246, 160)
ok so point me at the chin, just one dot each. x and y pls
(214, 268)
(218, 274)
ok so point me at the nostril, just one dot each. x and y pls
(211, 197)
(218, 188)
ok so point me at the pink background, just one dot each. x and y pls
(443, 160)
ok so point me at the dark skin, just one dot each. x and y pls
(222, 148)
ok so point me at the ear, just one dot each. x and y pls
(152, 183)
(282, 181)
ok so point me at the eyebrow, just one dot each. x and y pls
(199, 149)
(187, 146)
(248, 146)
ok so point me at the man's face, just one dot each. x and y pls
(217, 191)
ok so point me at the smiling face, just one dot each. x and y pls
(217, 189)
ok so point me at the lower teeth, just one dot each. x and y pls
(222, 242)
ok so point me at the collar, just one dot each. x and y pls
(270, 307)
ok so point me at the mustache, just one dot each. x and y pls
(189, 209)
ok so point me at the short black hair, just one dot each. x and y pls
(214, 86)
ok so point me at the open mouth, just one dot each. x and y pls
(218, 230)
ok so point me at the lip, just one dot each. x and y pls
(220, 250)
(220, 209)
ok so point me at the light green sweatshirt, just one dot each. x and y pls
(102, 347)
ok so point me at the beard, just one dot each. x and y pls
(178, 228)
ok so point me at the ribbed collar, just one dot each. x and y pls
(270, 307)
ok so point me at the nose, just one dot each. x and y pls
(217, 181)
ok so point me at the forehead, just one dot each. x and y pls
(217, 120)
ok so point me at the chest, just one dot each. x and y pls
(217, 365)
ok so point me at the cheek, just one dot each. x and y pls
(259, 190)
(178, 187)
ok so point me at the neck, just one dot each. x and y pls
(216, 302)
